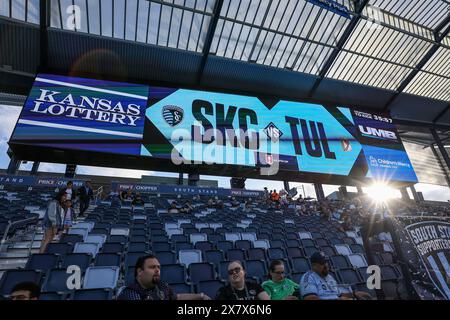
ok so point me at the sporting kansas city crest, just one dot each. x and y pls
(173, 115)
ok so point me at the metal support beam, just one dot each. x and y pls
(359, 190)
(404, 192)
(44, 23)
(436, 155)
(35, 168)
(359, 6)
(438, 37)
(180, 179)
(319, 191)
(14, 165)
(209, 38)
(286, 185)
(414, 192)
(441, 148)
(441, 114)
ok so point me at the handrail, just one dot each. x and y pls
(11, 224)
(98, 192)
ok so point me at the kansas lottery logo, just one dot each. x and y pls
(173, 115)
(273, 132)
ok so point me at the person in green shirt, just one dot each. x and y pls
(279, 287)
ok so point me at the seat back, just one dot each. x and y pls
(101, 277)
(357, 260)
(96, 238)
(201, 272)
(13, 277)
(343, 249)
(187, 257)
(196, 237)
(87, 247)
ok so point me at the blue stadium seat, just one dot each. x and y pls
(107, 259)
(210, 287)
(138, 232)
(187, 257)
(56, 281)
(223, 270)
(388, 273)
(300, 264)
(204, 245)
(307, 243)
(101, 277)
(321, 242)
(256, 254)
(201, 272)
(59, 248)
(328, 251)
(214, 238)
(224, 245)
(129, 276)
(137, 247)
(42, 262)
(277, 244)
(92, 294)
(276, 254)
(293, 243)
(103, 231)
(161, 246)
(182, 287)
(112, 247)
(138, 239)
(179, 238)
(82, 260)
(256, 268)
(183, 246)
(118, 238)
(340, 262)
(349, 276)
(87, 247)
(166, 257)
(243, 244)
(173, 273)
(291, 236)
(235, 254)
(293, 252)
(12, 277)
(309, 251)
(297, 276)
(213, 256)
(71, 238)
(131, 258)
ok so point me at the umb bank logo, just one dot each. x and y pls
(377, 133)
(373, 161)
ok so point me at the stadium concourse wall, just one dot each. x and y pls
(105, 181)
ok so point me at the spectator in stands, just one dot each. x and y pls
(126, 195)
(173, 207)
(148, 284)
(279, 287)
(318, 284)
(211, 203)
(235, 203)
(238, 288)
(137, 201)
(86, 194)
(187, 208)
(68, 190)
(67, 214)
(25, 291)
(52, 220)
(275, 197)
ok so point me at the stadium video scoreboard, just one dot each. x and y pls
(199, 127)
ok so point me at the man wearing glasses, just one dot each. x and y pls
(318, 284)
(238, 288)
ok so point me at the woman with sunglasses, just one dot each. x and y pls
(279, 287)
(238, 288)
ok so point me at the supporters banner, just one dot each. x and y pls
(184, 190)
(424, 245)
(186, 127)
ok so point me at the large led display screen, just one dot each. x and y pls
(199, 127)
